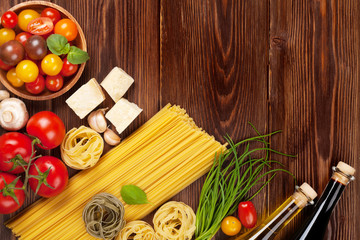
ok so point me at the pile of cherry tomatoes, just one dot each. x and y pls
(25, 55)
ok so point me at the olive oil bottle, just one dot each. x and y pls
(315, 226)
(303, 196)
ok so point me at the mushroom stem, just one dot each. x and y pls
(7, 116)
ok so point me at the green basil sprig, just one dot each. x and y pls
(59, 45)
(133, 195)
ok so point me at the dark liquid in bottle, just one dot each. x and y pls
(315, 226)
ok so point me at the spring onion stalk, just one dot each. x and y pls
(230, 179)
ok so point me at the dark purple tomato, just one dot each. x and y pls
(35, 47)
(12, 52)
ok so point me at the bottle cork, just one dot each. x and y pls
(304, 195)
(347, 175)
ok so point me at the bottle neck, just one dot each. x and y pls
(341, 177)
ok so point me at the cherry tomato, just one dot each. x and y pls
(52, 172)
(47, 127)
(6, 34)
(12, 144)
(51, 13)
(230, 226)
(54, 83)
(247, 214)
(41, 72)
(67, 28)
(13, 79)
(12, 52)
(51, 64)
(36, 48)
(45, 36)
(9, 19)
(23, 37)
(40, 26)
(4, 66)
(25, 18)
(8, 204)
(36, 86)
(68, 68)
(27, 71)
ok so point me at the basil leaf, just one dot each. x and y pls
(77, 56)
(58, 44)
(133, 195)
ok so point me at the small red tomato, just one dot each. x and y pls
(53, 176)
(45, 36)
(51, 13)
(9, 19)
(23, 37)
(36, 86)
(10, 199)
(15, 150)
(48, 128)
(247, 214)
(4, 66)
(41, 72)
(54, 83)
(68, 68)
(40, 26)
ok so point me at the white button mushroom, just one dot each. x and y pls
(4, 94)
(13, 114)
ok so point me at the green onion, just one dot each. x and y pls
(230, 179)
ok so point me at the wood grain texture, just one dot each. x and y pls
(313, 88)
(214, 57)
(280, 64)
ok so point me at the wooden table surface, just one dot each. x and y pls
(280, 64)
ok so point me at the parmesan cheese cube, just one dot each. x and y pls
(86, 98)
(116, 83)
(122, 114)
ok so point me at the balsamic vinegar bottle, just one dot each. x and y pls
(268, 229)
(315, 226)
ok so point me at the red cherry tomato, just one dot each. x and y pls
(52, 172)
(54, 83)
(51, 13)
(40, 26)
(41, 72)
(36, 86)
(68, 68)
(8, 204)
(247, 214)
(12, 144)
(9, 19)
(23, 37)
(48, 128)
(4, 66)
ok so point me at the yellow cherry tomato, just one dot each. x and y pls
(230, 226)
(25, 17)
(27, 71)
(13, 79)
(6, 34)
(51, 64)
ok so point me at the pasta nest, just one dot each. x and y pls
(81, 148)
(174, 221)
(137, 230)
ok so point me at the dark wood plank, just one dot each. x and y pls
(314, 71)
(214, 57)
(119, 33)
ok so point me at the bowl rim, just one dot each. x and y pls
(75, 78)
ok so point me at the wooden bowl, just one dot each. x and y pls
(80, 42)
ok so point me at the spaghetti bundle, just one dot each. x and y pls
(162, 157)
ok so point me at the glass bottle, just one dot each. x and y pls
(302, 197)
(315, 226)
